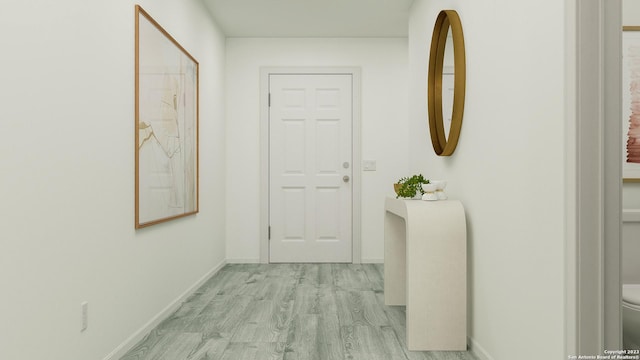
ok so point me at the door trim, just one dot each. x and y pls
(356, 216)
(593, 191)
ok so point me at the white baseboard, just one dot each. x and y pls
(630, 215)
(372, 261)
(257, 261)
(129, 343)
(478, 350)
(243, 261)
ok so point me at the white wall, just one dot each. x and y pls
(384, 127)
(631, 12)
(508, 169)
(631, 191)
(631, 17)
(67, 163)
(631, 246)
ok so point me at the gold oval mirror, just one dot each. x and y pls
(446, 83)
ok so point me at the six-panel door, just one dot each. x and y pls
(310, 150)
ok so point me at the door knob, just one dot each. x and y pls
(345, 178)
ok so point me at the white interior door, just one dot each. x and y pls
(310, 168)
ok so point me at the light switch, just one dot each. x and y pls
(369, 165)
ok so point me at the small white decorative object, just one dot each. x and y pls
(440, 185)
(429, 192)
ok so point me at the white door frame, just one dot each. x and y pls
(355, 72)
(593, 177)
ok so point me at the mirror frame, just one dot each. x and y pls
(446, 19)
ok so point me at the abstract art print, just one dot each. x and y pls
(631, 103)
(166, 125)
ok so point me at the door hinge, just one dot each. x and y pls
(269, 232)
(269, 100)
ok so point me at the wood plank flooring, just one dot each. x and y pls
(286, 312)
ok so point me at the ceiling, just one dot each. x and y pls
(311, 18)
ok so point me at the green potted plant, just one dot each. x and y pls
(409, 187)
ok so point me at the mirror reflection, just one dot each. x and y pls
(448, 72)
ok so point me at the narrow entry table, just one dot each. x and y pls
(425, 268)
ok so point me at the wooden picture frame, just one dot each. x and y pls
(166, 125)
(631, 103)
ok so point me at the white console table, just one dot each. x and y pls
(425, 268)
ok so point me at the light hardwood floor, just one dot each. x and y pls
(286, 312)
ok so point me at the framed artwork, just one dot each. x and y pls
(166, 138)
(631, 103)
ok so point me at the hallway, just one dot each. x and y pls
(286, 311)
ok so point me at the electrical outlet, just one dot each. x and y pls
(84, 306)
